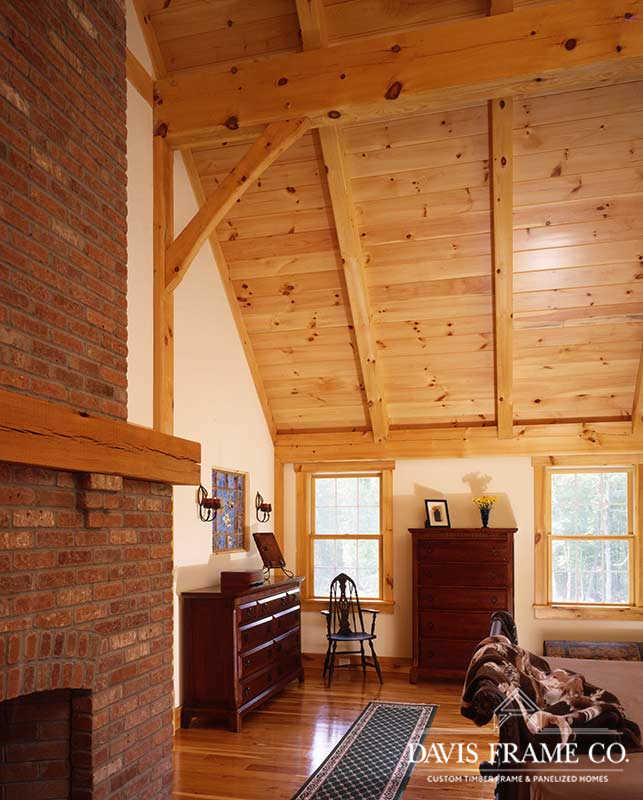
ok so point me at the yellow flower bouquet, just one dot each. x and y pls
(485, 503)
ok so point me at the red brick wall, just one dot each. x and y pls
(35, 732)
(86, 593)
(63, 261)
(85, 564)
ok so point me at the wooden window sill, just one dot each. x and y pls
(588, 612)
(383, 606)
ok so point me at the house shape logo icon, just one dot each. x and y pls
(515, 704)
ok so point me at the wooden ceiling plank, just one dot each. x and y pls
(355, 275)
(228, 286)
(637, 404)
(501, 111)
(265, 150)
(312, 22)
(163, 390)
(487, 57)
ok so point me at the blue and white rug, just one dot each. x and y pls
(371, 760)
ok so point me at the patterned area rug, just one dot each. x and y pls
(371, 761)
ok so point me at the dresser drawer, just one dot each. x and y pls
(286, 666)
(250, 612)
(254, 635)
(250, 688)
(286, 621)
(256, 660)
(483, 599)
(464, 551)
(286, 644)
(465, 575)
(446, 653)
(454, 624)
(282, 602)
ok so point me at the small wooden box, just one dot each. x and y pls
(238, 581)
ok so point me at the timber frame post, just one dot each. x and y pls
(173, 256)
(163, 299)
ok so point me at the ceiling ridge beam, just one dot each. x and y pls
(265, 150)
(228, 287)
(354, 266)
(534, 50)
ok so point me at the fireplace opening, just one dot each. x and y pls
(44, 745)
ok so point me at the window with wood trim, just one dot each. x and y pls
(345, 525)
(588, 555)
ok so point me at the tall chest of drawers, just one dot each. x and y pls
(238, 649)
(460, 576)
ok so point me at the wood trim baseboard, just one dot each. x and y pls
(389, 664)
(177, 717)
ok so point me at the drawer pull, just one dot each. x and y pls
(246, 691)
(284, 601)
(494, 599)
(246, 662)
(430, 626)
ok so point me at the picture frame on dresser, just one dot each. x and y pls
(460, 576)
(437, 513)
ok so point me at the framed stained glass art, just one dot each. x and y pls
(229, 530)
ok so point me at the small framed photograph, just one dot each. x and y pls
(437, 514)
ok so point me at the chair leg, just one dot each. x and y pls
(361, 647)
(331, 669)
(376, 662)
(326, 660)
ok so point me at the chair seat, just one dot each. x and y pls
(357, 636)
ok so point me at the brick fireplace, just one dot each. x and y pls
(85, 558)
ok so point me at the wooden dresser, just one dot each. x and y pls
(460, 576)
(238, 649)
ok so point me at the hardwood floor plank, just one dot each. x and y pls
(287, 739)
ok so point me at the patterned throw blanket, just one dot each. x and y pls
(548, 698)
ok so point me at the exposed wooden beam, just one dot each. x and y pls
(312, 23)
(163, 300)
(266, 149)
(501, 6)
(637, 405)
(561, 439)
(501, 113)
(532, 50)
(353, 262)
(45, 434)
(224, 273)
(278, 503)
(145, 21)
(139, 77)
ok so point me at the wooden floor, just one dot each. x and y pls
(284, 742)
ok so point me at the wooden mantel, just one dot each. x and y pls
(47, 434)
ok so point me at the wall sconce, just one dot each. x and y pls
(263, 510)
(208, 506)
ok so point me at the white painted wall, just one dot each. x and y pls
(215, 399)
(459, 480)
